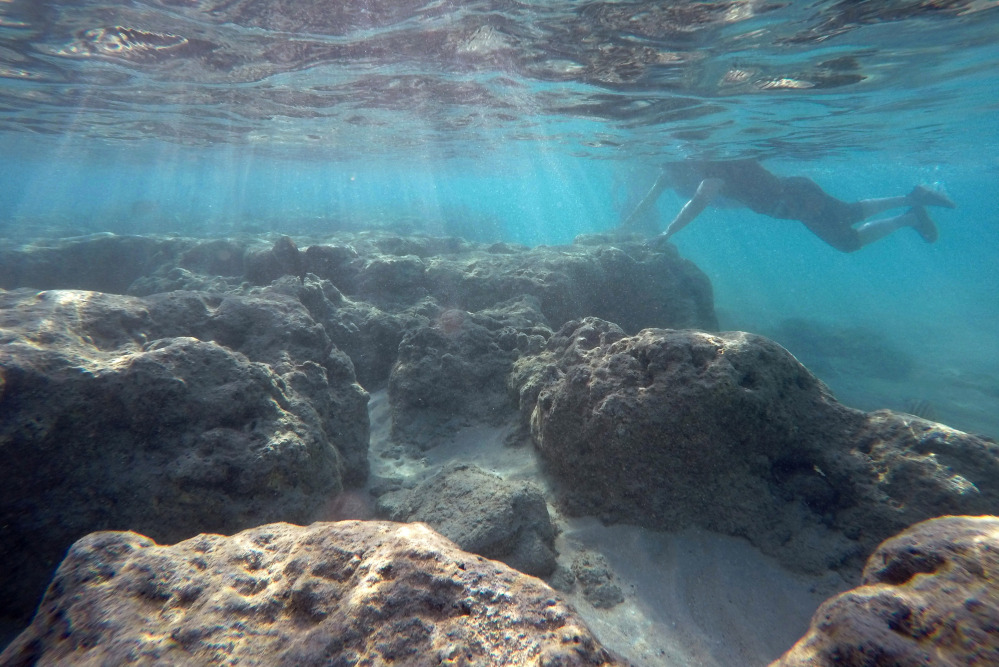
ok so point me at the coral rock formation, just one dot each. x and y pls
(929, 596)
(483, 514)
(331, 593)
(729, 432)
(172, 414)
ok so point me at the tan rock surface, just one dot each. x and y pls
(342, 593)
(930, 596)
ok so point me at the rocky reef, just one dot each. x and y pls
(482, 513)
(346, 593)
(183, 389)
(177, 386)
(171, 414)
(929, 596)
(727, 431)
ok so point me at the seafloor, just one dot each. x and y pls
(572, 412)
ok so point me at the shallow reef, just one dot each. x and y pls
(164, 391)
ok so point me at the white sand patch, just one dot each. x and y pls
(692, 599)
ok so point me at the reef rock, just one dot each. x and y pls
(369, 335)
(929, 596)
(596, 580)
(729, 432)
(483, 514)
(331, 593)
(629, 284)
(455, 367)
(283, 259)
(383, 280)
(173, 415)
(101, 262)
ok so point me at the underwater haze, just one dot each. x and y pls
(532, 123)
(225, 135)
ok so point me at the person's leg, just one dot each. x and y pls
(648, 201)
(871, 207)
(833, 220)
(920, 196)
(916, 217)
(706, 191)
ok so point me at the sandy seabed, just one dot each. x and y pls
(691, 598)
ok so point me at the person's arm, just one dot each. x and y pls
(706, 191)
(648, 201)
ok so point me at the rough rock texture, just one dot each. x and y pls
(455, 368)
(628, 285)
(283, 259)
(101, 263)
(396, 287)
(368, 335)
(225, 386)
(174, 414)
(482, 514)
(596, 579)
(385, 278)
(929, 596)
(729, 432)
(332, 594)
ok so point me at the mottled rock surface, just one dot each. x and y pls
(628, 285)
(385, 277)
(729, 432)
(174, 414)
(454, 368)
(929, 596)
(343, 594)
(596, 580)
(100, 263)
(224, 391)
(482, 514)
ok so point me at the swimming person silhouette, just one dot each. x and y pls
(748, 184)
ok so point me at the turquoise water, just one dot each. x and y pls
(534, 122)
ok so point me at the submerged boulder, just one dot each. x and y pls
(626, 284)
(929, 596)
(282, 259)
(331, 593)
(369, 335)
(483, 514)
(596, 580)
(100, 262)
(172, 415)
(454, 368)
(728, 432)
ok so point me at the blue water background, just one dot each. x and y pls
(935, 302)
(933, 125)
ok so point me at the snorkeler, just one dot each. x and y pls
(747, 183)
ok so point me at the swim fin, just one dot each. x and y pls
(924, 196)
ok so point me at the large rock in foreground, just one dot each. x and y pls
(173, 415)
(331, 593)
(929, 596)
(729, 432)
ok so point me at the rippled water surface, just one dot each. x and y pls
(534, 122)
(457, 78)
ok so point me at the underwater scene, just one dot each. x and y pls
(499, 332)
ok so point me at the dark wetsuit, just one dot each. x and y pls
(787, 198)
